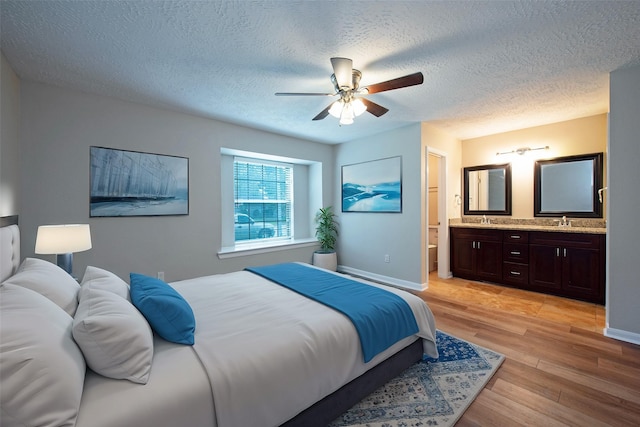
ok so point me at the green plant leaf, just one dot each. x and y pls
(326, 228)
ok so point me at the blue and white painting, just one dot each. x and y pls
(374, 186)
(131, 183)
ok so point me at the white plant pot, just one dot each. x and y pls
(326, 260)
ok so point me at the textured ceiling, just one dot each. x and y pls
(489, 67)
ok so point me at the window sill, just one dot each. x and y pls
(246, 249)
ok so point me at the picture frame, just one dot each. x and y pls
(374, 186)
(126, 183)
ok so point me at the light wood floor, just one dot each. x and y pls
(559, 369)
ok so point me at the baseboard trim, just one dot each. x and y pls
(383, 279)
(622, 335)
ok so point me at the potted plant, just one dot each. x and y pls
(327, 234)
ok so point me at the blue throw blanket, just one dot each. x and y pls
(381, 318)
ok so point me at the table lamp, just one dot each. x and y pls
(63, 240)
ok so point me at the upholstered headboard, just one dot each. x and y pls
(9, 246)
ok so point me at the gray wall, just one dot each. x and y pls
(365, 238)
(623, 299)
(9, 152)
(57, 128)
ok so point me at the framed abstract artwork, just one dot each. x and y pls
(374, 186)
(132, 183)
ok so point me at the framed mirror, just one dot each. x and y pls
(487, 190)
(568, 186)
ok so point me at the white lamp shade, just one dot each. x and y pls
(63, 239)
(346, 118)
(336, 109)
(358, 107)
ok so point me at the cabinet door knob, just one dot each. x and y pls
(557, 251)
(515, 252)
(514, 237)
(514, 273)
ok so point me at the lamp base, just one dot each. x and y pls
(65, 262)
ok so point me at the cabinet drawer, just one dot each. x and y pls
(515, 252)
(515, 274)
(477, 234)
(574, 240)
(513, 236)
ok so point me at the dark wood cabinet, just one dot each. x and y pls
(568, 264)
(476, 254)
(515, 257)
(559, 263)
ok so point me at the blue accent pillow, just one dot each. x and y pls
(167, 312)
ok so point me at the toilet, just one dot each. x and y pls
(433, 248)
(433, 258)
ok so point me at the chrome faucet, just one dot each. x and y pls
(485, 220)
(563, 222)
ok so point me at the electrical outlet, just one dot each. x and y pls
(387, 258)
(161, 275)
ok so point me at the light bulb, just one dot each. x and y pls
(358, 107)
(336, 109)
(346, 118)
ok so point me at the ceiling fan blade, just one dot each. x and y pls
(343, 69)
(324, 113)
(303, 94)
(400, 82)
(375, 109)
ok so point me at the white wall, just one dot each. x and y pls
(623, 256)
(57, 128)
(434, 138)
(9, 148)
(365, 238)
(451, 148)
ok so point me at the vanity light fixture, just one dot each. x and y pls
(523, 150)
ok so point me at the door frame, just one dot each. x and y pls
(443, 214)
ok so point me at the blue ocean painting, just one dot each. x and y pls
(372, 186)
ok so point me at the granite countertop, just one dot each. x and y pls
(591, 227)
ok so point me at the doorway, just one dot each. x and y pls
(437, 247)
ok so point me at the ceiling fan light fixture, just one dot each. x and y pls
(346, 83)
(336, 109)
(358, 107)
(346, 118)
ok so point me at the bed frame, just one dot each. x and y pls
(338, 402)
(9, 246)
(5, 221)
(331, 407)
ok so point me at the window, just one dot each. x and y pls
(256, 183)
(263, 199)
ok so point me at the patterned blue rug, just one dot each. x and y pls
(433, 392)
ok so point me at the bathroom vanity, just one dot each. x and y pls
(545, 253)
(563, 261)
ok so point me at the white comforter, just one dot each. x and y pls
(270, 353)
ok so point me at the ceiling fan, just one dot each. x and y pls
(346, 82)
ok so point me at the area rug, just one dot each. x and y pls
(433, 392)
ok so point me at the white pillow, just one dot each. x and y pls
(49, 280)
(41, 367)
(106, 280)
(114, 337)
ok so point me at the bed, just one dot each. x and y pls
(262, 354)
